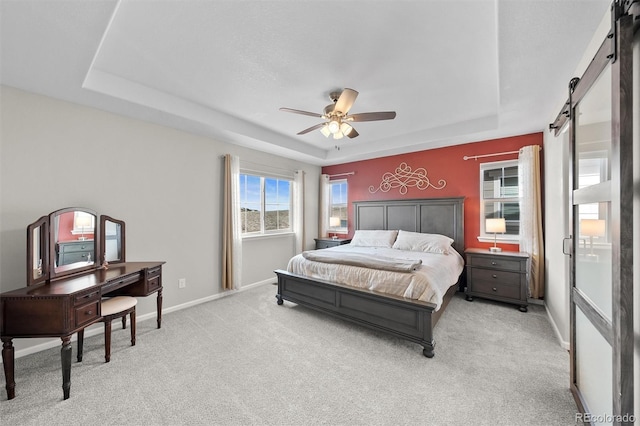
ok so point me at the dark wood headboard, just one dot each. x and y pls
(427, 215)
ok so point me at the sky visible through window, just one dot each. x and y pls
(276, 191)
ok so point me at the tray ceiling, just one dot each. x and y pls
(454, 71)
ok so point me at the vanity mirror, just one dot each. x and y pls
(37, 249)
(72, 240)
(112, 243)
(72, 245)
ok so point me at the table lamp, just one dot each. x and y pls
(334, 222)
(83, 222)
(495, 225)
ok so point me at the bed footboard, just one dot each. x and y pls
(410, 320)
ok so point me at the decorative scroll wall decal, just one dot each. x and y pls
(405, 178)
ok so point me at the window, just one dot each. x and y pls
(499, 194)
(265, 204)
(338, 205)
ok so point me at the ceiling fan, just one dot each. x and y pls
(338, 118)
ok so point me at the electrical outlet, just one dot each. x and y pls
(182, 283)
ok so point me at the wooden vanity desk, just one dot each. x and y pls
(71, 301)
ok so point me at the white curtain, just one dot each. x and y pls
(323, 216)
(531, 241)
(298, 209)
(232, 231)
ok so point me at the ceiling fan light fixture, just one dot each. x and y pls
(345, 129)
(338, 121)
(334, 125)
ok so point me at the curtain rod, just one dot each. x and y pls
(475, 157)
(343, 174)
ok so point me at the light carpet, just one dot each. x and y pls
(244, 360)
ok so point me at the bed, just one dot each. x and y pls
(404, 317)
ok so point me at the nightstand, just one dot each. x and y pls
(323, 243)
(498, 276)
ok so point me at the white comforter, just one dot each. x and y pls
(428, 283)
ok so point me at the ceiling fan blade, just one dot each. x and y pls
(372, 116)
(352, 134)
(345, 101)
(311, 129)
(297, 111)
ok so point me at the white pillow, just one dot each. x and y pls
(428, 243)
(377, 238)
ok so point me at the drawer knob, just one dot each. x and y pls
(494, 276)
(494, 289)
(494, 263)
(89, 312)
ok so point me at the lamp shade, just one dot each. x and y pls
(495, 225)
(334, 221)
(83, 221)
(592, 227)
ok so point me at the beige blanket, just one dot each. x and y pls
(364, 260)
(428, 283)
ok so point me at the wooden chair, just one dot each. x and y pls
(113, 308)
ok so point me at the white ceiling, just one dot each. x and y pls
(454, 71)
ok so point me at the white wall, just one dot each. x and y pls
(164, 183)
(556, 166)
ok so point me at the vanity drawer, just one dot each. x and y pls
(495, 262)
(153, 283)
(154, 279)
(122, 281)
(84, 298)
(154, 272)
(86, 314)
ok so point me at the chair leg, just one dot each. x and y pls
(124, 322)
(133, 327)
(80, 344)
(107, 341)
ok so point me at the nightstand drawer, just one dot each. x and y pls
(496, 289)
(498, 277)
(324, 244)
(495, 262)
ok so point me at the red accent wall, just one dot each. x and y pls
(462, 177)
(65, 226)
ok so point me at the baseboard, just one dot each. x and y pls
(564, 344)
(53, 343)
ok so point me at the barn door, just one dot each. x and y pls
(602, 184)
